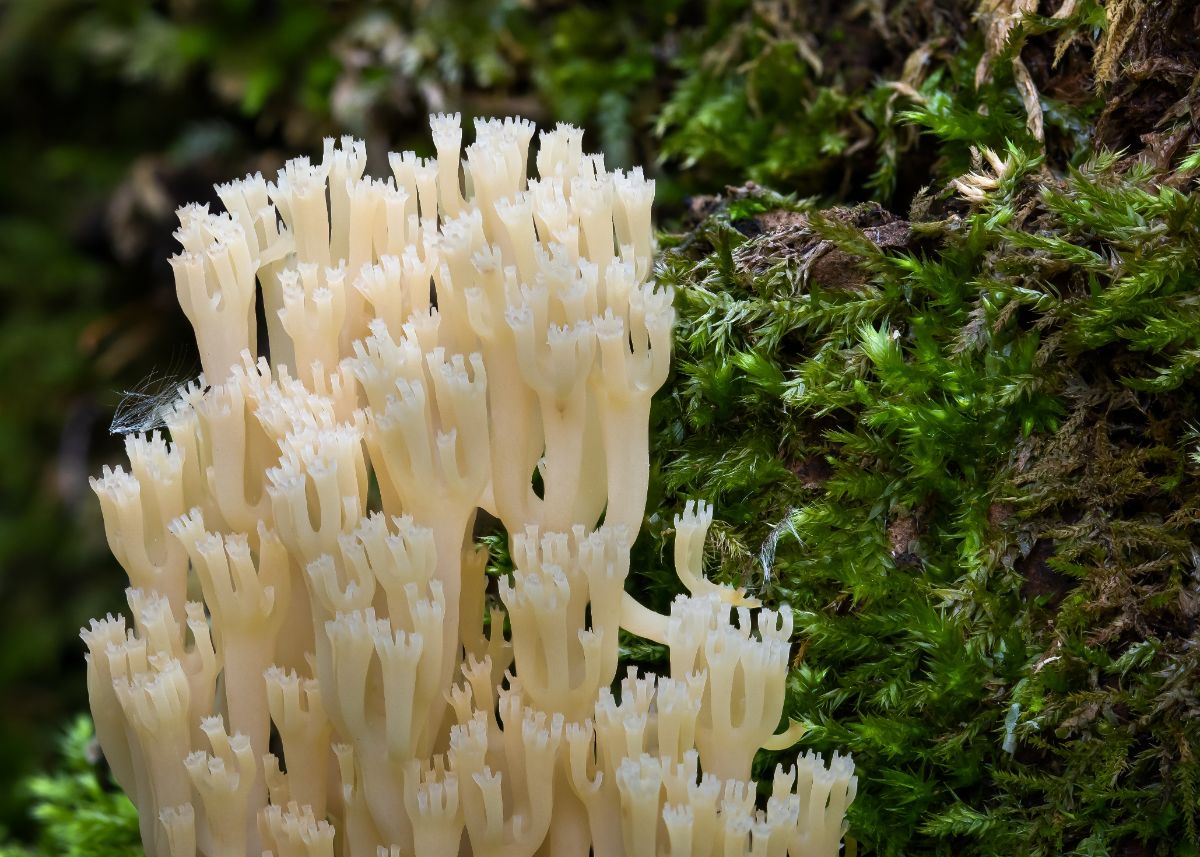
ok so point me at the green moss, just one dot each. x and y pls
(973, 428)
(79, 812)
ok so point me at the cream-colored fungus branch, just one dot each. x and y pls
(455, 338)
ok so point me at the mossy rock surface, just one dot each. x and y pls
(962, 445)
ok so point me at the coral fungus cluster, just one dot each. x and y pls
(315, 666)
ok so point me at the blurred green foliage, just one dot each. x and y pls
(79, 812)
(950, 419)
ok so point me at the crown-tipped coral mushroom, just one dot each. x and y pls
(455, 338)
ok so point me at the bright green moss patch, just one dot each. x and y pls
(79, 812)
(970, 438)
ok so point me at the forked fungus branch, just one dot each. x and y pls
(313, 668)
